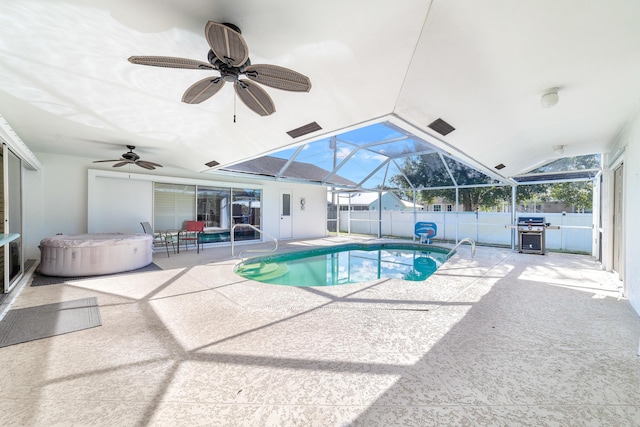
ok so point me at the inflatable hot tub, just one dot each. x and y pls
(94, 254)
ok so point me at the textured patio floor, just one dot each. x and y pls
(501, 339)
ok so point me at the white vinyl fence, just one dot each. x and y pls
(574, 235)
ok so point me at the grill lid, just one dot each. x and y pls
(535, 220)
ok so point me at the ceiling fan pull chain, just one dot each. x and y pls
(234, 106)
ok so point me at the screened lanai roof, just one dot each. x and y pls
(385, 156)
(379, 156)
(578, 168)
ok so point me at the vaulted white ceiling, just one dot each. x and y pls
(67, 88)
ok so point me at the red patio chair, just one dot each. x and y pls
(190, 233)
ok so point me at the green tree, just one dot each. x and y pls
(591, 161)
(428, 172)
(576, 194)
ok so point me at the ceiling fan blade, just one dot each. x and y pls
(147, 164)
(158, 165)
(202, 90)
(126, 162)
(227, 44)
(278, 77)
(102, 161)
(254, 97)
(171, 62)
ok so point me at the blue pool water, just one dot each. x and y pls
(343, 264)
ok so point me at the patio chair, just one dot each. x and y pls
(158, 237)
(172, 237)
(191, 234)
(425, 231)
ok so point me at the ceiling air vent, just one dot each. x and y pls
(442, 127)
(303, 130)
(212, 163)
(500, 166)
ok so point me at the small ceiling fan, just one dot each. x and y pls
(131, 157)
(229, 55)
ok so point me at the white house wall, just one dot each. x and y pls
(55, 200)
(306, 223)
(64, 198)
(630, 143)
(118, 204)
(107, 212)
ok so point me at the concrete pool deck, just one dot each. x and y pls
(500, 339)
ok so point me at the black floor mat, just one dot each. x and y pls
(43, 321)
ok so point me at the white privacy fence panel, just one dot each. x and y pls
(575, 233)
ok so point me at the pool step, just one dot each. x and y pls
(263, 271)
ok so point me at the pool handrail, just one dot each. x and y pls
(468, 240)
(251, 250)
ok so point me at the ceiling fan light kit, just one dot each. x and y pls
(229, 55)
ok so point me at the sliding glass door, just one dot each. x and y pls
(11, 216)
(246, 209)
(173, 205)
(213, 207)
(220, 208)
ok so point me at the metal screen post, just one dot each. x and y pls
(379, 214)
(337, 198)
(477, 222)
(457, 214)
(349, 216)
(415, 214)
(513, 216)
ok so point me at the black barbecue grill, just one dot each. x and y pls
(531, 234)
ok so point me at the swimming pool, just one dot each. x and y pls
(344, 264)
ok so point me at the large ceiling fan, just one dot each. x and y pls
(229, 55)
(131, 157)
